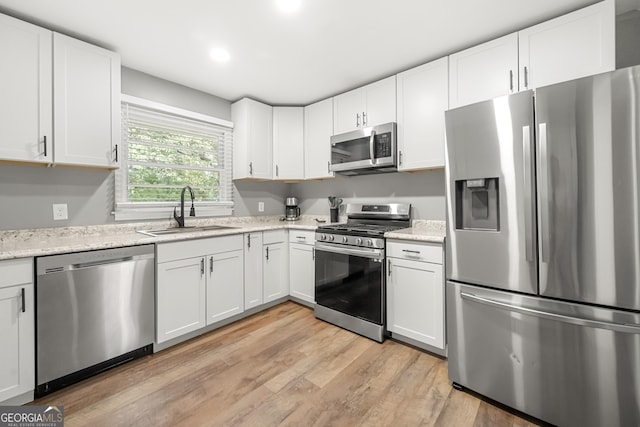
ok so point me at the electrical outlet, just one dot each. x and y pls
(60, 212)
(260, 206)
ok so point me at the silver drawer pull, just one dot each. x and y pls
(411, 252)
(301, 237)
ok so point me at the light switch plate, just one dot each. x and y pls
(60, 212)
(260, 206)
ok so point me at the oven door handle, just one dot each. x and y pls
(346, 250)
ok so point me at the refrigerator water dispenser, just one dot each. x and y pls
(477, 204)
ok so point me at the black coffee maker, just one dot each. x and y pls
(292, 211)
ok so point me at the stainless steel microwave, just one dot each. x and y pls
(365, 151)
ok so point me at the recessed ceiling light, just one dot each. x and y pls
(288, 6)
(219, 55)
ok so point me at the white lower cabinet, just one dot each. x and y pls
(225, 285)
(252, 270)
(275, 265)
(302, 265)
(198, 282)
(415, 294)
(17, 332)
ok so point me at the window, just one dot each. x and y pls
(165, 149)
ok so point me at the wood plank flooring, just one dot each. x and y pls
(279, 367)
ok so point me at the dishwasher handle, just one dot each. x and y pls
(97, 259)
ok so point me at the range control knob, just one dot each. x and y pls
(323, 237)
(331, 238)
(359, 241)
(345, 239)
(369, 242)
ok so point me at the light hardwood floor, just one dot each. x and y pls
(279, 367)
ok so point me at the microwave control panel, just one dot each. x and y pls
(383, 145)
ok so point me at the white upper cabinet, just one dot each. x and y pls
(484, 71)
(26, 123)
(366, 106)
(252, 139)
(53, 83)
(422, 100)
(318, 128)
(86, 103)
(575, 45)
(288, 146)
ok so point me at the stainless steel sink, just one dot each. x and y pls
(180, 230)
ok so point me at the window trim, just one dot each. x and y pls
(126, 211)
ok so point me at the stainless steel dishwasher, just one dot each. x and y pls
(94, 310)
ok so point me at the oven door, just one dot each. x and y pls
(351, 280)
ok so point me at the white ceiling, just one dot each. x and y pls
(327, 47)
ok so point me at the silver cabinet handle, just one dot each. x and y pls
(24, 301)
(364, 118)
(328, 167)
(411, 252)
(510, 80)
(529, 231)
(211, 265)
(357, 120)
(277, 171)
(372, 153)
(313, 253)
(45, 145)
(389, 267)
(202, 267)
(116, 153)
(301, 237)
(526, 77)
(544, 193)
(400, 158)
(248, 241)
(580, 321)
(250, 168)
(267, 253)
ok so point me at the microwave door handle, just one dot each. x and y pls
(372, 154)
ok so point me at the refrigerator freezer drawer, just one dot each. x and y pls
(567, 364)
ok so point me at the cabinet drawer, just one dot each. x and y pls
(302, 236)
(16, 272)
(417, 251)
(274, 236)
(197, 247)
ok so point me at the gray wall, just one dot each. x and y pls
(424, 190)
(27, 192)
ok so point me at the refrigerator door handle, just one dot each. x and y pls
(544, 193)
(528, 194)
(579, 321)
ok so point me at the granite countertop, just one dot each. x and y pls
(26, 243)
(421, 231)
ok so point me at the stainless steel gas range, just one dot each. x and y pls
(350, 267)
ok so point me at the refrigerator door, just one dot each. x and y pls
(567, 364)
(588, 164)
(491, 236)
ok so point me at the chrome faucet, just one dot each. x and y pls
(192, 212)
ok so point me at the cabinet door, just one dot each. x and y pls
(252, 270)
(571, 46)
(17, 335)
(422, 100)
(484, 71)
(261, 141)
(302, 272)
(380, 102)
(318, 128)
(415, 301)
(347, 111)
(26, 126)
(288, 146)
(86, 103)
(180, 306)
(225, 285)
(276, 271)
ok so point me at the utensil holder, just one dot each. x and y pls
(333, 214)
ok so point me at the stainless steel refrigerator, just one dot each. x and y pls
(543, 250)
